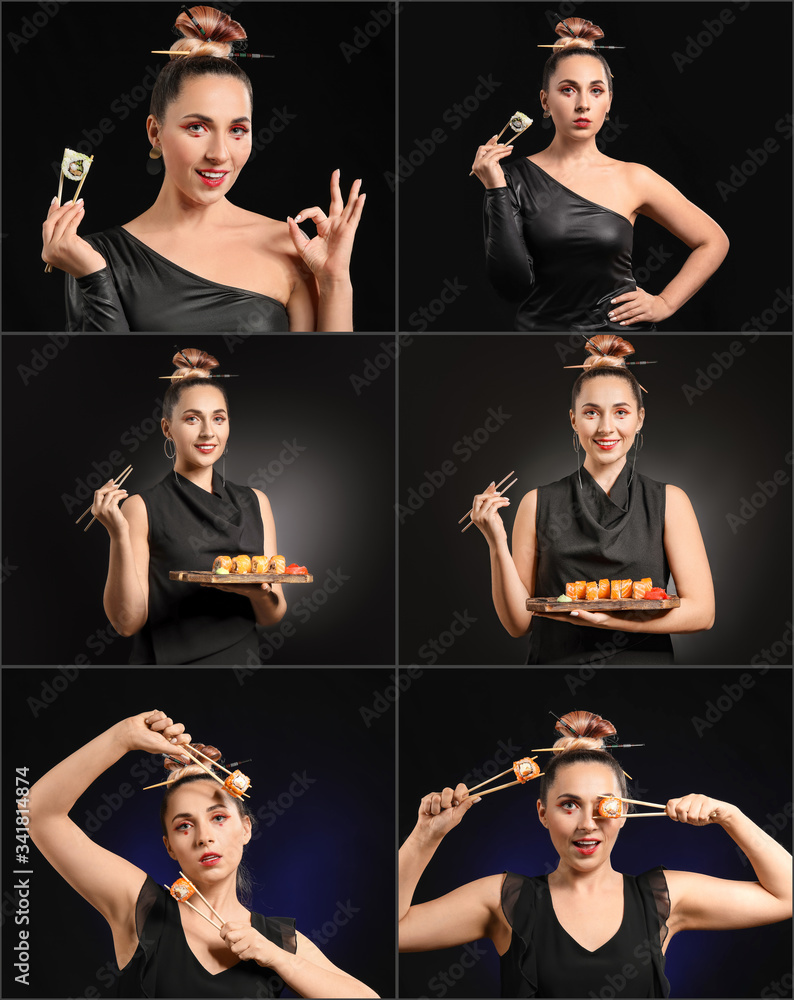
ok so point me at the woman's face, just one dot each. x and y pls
(206, 137)
(582, 839)
(206, 833)
(199, 426)
(606, 419)
(578, 97)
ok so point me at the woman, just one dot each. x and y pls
(191, 516)
(194, 261)
(543, 927)
(603, 521)
(559, 224)
(204, 830)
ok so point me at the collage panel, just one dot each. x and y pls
(711, 746)
(317, 855)
(665, 186)
(298, 432)
(715, 500)
(312, 93)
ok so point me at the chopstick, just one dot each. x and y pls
(639, 802)
(216, 764)
(118, 481)
(209, 904)
(192, 907)
(48, 267)
(468, 514)
(507, 785)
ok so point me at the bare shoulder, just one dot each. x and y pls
(529, 503)
(676, 500)
(134, 509)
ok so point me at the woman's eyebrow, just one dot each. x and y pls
(211, 121)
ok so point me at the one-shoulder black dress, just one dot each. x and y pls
(583, 534)
(543, 960)
(164, 966)
(140, 291)
(188, 528)
(562, 256)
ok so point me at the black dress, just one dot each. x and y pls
(188, 528)
(543, 960)
(583, 534)
(164, 966)
(564, 256)
(140, 291)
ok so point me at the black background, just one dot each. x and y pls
(739, 752)
(691, 127)
(716, 449)
(305, 861)
(85, 57)
(332, 504)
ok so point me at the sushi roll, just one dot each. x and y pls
(570, 591)
(591, 591)
(259, 564)
(182, 889)
(610, 808)
(603, 590)
(222, 563)
(241, 564)
(526, 769)
(74, 165)
(277, 564)
(520, 122)
(638, 590)
(237, 783)
(580, 590)
(614, 592)
(625, 588)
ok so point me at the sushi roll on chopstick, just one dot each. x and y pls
(75, 167)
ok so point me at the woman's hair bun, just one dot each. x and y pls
(179, 770)
(576, 32)
(192, 363)
(214, 36)
(607, 350)
(590, 730)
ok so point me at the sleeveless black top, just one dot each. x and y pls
(188, 528)
(140, 291)
(564, 256)
(583, 534)
(543, 960)
(164, 966)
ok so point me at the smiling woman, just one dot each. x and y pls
(604, 521)
(194, 261)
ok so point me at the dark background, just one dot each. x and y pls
(451, 725)
(306, 861)
(332, 504)
(64, 80)
(716, 449)
(691, 127)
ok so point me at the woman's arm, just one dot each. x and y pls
(700, 902)
(126, 598)
(466, 914)
(308, 972)
(108, 882)
(689, 567)
(268, 599)
(659, 200)
(328, 258)
(512, 577)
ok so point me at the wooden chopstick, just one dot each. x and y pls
(192, 907)
(209, 904)
(468, 513)
(639, 802)
(507, 785)
(117, 482)
(502, 493)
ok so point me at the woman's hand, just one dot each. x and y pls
(153, 732)
(328, 253)
(485, 513)
(698, 810)
(487, 165)
(639, 307)
(106, 510)
(249, 590)
(63, 248)
(439, 812)
(247, 943)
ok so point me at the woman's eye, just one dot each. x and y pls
(220, 816)
(195, 128)
(182, 826)
(239, 130)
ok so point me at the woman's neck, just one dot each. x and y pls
(593, 881)
(605, 475)
(172, 210)
(199, 477)
(571, 152)
(223, 896)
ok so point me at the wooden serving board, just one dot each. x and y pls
(625, 604)
(207, 576)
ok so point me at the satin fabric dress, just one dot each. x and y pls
(562, 256)
(188, 528)
(583, 534)
(164, 965)
(543, 960)
(141, 291)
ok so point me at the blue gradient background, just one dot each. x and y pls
(451, 722)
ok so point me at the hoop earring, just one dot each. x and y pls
(576, 442)
(169, 455)
(223, 464)
(547, 114)
(637, 448)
